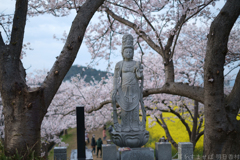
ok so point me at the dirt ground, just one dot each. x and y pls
(98, 134)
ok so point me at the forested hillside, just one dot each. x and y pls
(90, 72)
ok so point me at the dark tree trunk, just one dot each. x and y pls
(222, 134)
(24, 107)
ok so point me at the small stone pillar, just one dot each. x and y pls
(60, 153)
(185, 151)
(137, 154)
(163, 151)
(109, 152)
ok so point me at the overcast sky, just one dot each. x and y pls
(39, 32)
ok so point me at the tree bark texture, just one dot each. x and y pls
(24, 107)
(222, 130)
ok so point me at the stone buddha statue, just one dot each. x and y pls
(127, 92)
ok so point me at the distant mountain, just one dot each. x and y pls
(90, 72)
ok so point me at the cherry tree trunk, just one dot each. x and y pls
(23, 120)
(222, 130)
(24, 107)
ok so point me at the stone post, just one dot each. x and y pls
(60, 153)
(81, 154)
(163, 151)
(109, 152)
(185, 151)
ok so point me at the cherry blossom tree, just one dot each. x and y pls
(157, 27)
(24, 107)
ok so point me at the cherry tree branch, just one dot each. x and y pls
(177, 27)
(199, 10)
(199, 126)
(149, 23)
(188, 110)
(70, 49)
(191, 92)
(199, 136)
(195, 120)
(141, 33)
(18, 27)
(164, 126)
(122, 7)
(182, 120)
(180, 89)
(175, 42)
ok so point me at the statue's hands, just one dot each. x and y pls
(139, 72)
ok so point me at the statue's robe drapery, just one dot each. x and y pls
(128, 94)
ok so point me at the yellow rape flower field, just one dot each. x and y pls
(177, 131)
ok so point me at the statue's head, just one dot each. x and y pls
(127, 45)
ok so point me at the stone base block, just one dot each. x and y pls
(137, 154)
(88, 155)
(60, 153)
(163, 151)
(185, 151)
(109, 152)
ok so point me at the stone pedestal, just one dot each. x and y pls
(137, 154)
(60, 153)
(185, 151)
(109, 152)
(88, 155)
(163, 151)
(130, 139)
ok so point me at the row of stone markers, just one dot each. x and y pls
(163, 151)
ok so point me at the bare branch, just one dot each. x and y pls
(232, 70)
(5, 31)
(1, 40)
(136, 29)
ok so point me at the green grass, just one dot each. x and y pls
(71, 139)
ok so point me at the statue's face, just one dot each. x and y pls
(128, 53)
